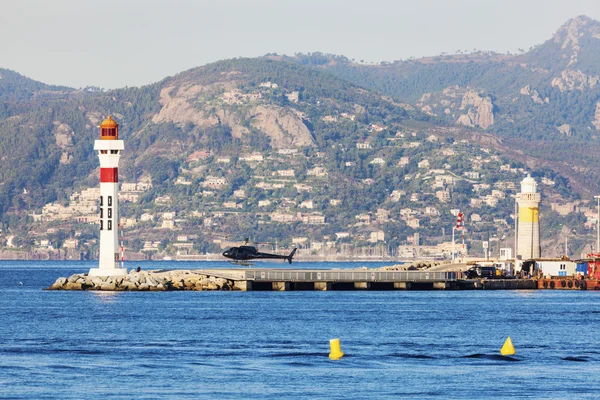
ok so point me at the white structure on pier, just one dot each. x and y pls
(529, 222)
(109, 151)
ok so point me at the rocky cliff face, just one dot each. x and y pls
(178, 107)
(63, 135)
(283, 126)
(575, 80)
(480, 110)
(535, 96)
(225, 103)
(596, 120)
(467, 106)
(565, 129)
(572, 33)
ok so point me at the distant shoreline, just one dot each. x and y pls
(16, 255)
(224, 260)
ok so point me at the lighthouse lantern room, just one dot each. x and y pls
(109, 149)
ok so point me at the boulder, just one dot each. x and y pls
(72, 286)
(59, 283)
(128, 285)
(109, 286)
(189, 285)
(177, 284)
(163, 280)
(86, 285)
(221, 281)
(151, 281)
(97, 281)
(158, 288)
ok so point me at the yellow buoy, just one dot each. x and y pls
(508, 349)
(336, 350)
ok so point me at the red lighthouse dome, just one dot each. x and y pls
(109, 129)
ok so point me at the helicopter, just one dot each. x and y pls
(245, 253)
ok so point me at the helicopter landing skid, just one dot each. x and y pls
(241, 263)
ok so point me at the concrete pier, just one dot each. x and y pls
(244, 286)
(267, 279)
(336, 279)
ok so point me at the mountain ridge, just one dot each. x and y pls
(274, 127)
(533, 101)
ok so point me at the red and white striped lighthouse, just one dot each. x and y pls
(109, 150)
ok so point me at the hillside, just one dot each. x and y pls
(545, 102)
(16, 88)
(268, 149)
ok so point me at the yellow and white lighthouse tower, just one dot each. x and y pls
(109, 151)
(529, 220)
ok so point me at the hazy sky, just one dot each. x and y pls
(116, 43)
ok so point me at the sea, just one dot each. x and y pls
(275, 345)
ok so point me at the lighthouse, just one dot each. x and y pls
(529, 222)
(109, 151)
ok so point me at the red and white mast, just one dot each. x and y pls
(460, 225)
(109, 151)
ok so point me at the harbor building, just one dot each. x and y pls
(109, 149)
(528, 237)
(556, 267)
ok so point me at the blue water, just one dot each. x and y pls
(430, 344)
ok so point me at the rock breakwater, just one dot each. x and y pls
(156, 280)
(416, 266)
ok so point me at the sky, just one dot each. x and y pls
(118, 43)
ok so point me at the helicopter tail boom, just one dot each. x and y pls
(289, 258)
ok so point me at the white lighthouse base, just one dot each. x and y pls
(107, 271)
